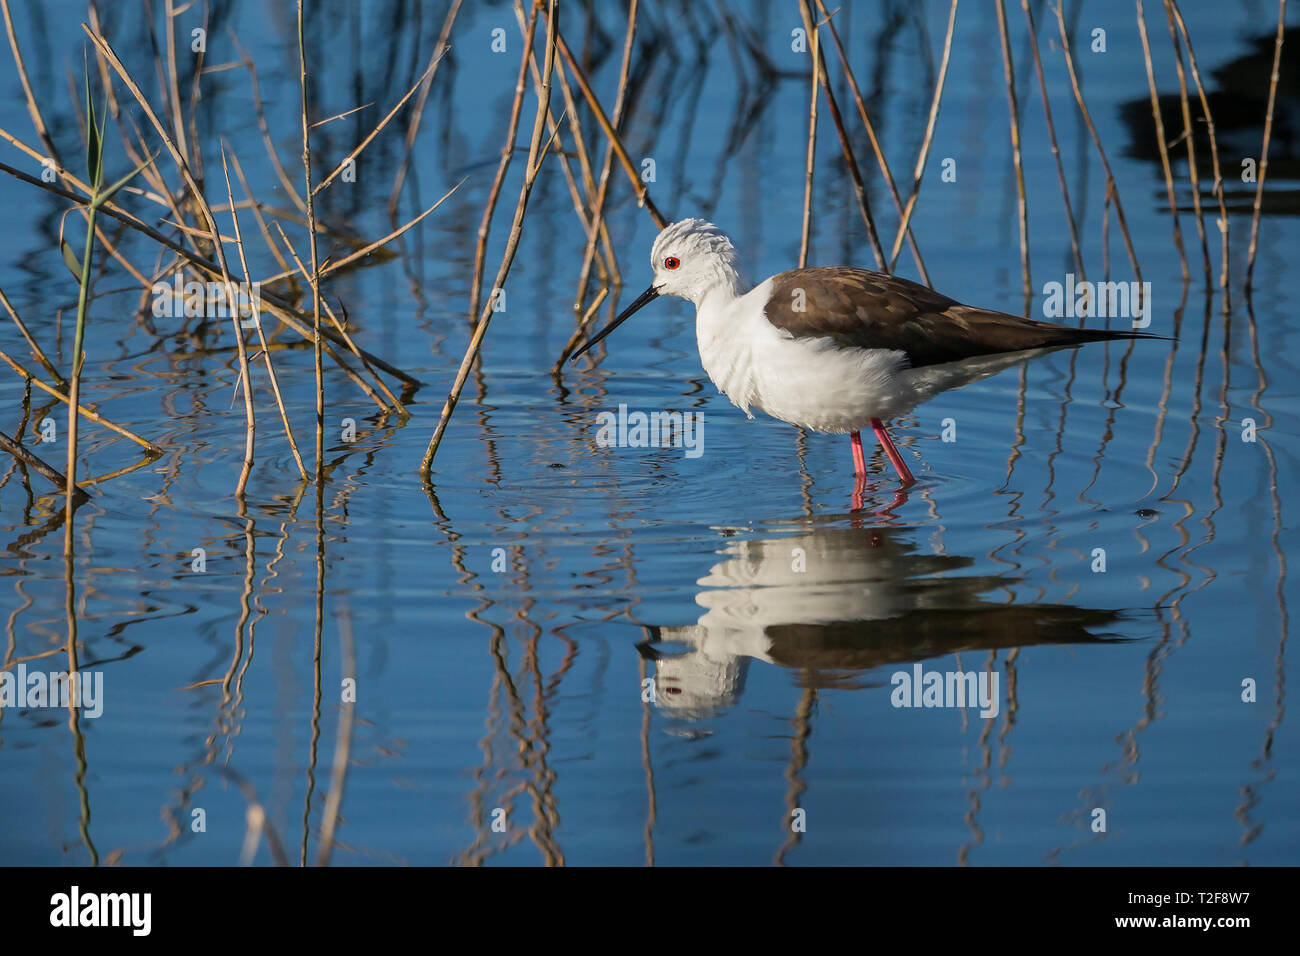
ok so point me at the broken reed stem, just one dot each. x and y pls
(607, 164)
(42, 468)
(257, 214)
(590, 227)
(871, 134)
(250, 429)
(536, 154)
(929, 136)
(1161, 143)
(261, 337)
(606, 264)
(396, 405)
(1111, 186)
(173, 84)
(812, 154)
(84, 411)
(1171, 9)
(356, 151)
(369, 247)
(1009, 71)
(1188, 135)
(281, 173)
(417, 111)
(31, 342)
(507, 153)
(32, 109)
(581, 330)
(846, 147)
(315, 262)
(1051, 134)
(1263, 155)
(642, 194)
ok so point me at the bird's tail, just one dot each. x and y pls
(1003, 332)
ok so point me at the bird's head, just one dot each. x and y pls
(690, 259)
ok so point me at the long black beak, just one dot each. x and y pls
(648, 295)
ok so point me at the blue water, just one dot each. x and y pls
(638, 656)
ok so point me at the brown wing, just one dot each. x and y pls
(858, 308)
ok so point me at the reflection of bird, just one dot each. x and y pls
(840, 599)
(834, 350)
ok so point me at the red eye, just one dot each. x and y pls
(672, 262)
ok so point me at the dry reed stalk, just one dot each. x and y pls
(925, 143)
(261, 338)
(607, 164)
(173, 85)
(815, 74)
(356, 151)
(257, 214)
(41, 131)
(315, 261)
(32, 108)
(336, 264)
(31, 342)
(1111, 186)
(536, 154)
(642, 194)
(846, 147)
(1268, 132)
(1009, 70)
(581, 330)
(352, 346)
(1161, 144)
(871, 135)
(54, 476)
(507, 153)
(281, 173)
(590, 226)
(417, 111)
(106, 50)
(1172, 11)
(280, 307)
(111, 248)
(196, 76)
(609, 269)
(83, 411)
(338, 116)
(1192, 172)
(1051, 134)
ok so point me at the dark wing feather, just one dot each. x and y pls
(858, 308)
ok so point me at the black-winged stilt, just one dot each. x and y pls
(834, 349)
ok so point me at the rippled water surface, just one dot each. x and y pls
(629, 655)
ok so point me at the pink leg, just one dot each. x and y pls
(891, 452)
(859, 459)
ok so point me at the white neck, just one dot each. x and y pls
(723, 284)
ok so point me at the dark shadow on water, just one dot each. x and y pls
(1237, 91)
